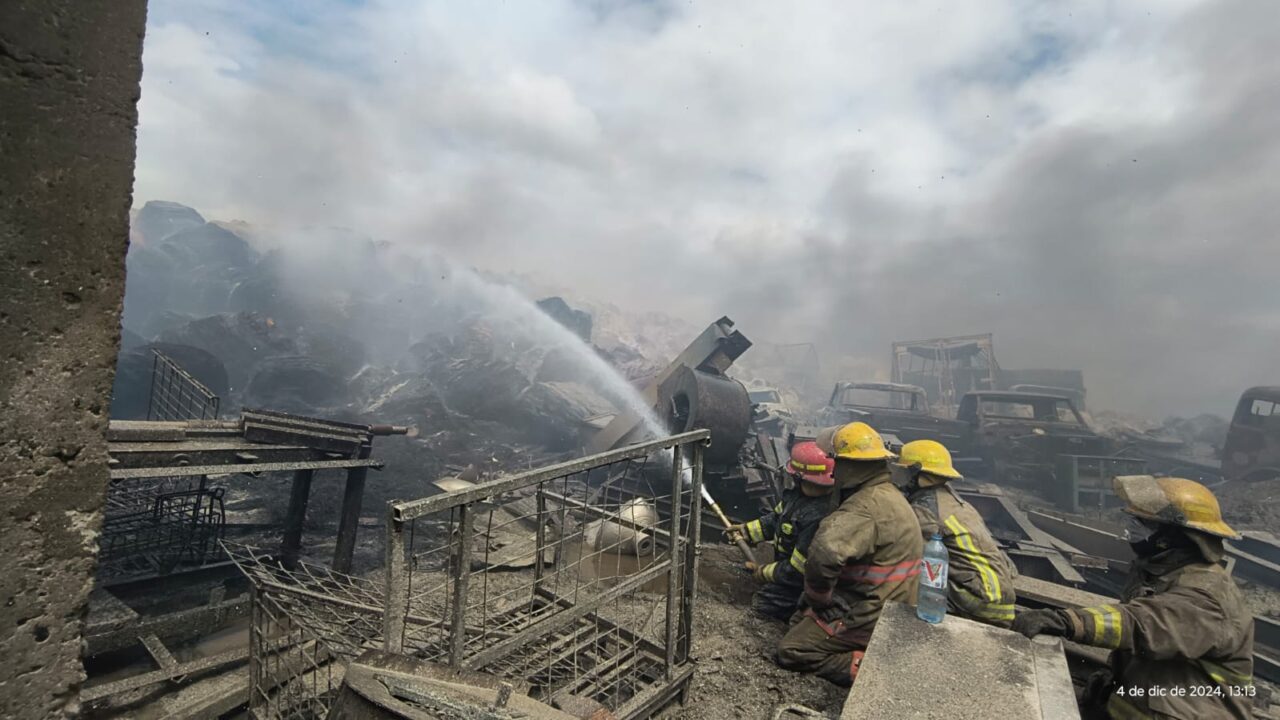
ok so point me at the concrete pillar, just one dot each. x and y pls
(69, 83)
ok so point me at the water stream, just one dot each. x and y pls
(497, 300)
(505, 301)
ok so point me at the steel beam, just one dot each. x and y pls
(462, 562)
(181, 625)
(677, 484)
(349, 521)
(630, 636)
(394, 615)
(693, 551)
(1087, 538)
(241, 468)
(299, 494)
(216, 451)
(177, 670)
(1261, 545)
(1252, 567)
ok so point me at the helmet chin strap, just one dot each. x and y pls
(913, 472)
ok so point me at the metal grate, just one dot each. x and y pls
(308, 622)
(294, 672)
(153, 525)
(176, 395)
(169, 529)
(540, 577)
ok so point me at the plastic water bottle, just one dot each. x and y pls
(931, 602)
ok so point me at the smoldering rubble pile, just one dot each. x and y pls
(335, 326)
(1201, 436)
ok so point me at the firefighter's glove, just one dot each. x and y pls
(734, 533)
(1042, 622)
(757, 572)
(836, 609)
(1098, 689)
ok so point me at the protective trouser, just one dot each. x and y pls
(777, 600)
(828, 651)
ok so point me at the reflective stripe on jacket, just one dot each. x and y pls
(867, 551)
(1181, 625)
(980, 574)
(791, 527)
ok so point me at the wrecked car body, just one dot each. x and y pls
(1018, 436)
(770, 412)
(1252, 450)
(894, 409)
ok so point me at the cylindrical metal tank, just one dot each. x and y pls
(628, 538)
(693, 400)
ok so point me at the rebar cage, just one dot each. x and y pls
(578, 580)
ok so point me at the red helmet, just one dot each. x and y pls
(811, 464)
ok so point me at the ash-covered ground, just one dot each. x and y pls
(734, 649)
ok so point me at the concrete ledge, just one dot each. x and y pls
(959, 670)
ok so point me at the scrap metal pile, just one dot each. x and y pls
(365, 334)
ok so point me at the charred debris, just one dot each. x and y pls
(394, 491)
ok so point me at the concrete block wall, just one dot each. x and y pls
(69, 84)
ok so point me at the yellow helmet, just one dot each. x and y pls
(932, 456)
(1173, 500)
(857, 441)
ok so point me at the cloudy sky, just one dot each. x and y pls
(1097, 183)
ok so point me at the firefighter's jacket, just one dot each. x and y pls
(980, 576)
(1181, 628)
(867, 551)
(790, 527)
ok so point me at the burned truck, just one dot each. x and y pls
(1039, 441)
(1252, 449)
(894, 409)
(1016, 438)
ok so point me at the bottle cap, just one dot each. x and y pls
(936, 536)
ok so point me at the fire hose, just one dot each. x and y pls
(737, 537)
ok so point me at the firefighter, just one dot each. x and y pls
(1181, 636)
(864, 554)
(790, 527)
(980, 578)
